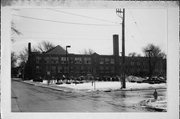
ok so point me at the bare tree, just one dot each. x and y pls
(88, 52)
(42, 47)
(14, 70)
(154, 53)
(45, 46)
(134, 54)
(23, 55)
(13, 59)
(14, 31)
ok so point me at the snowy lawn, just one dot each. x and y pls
(112, 86)
(104, 86)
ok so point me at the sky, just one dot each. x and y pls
(90, 29)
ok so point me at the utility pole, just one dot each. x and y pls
(121, 14)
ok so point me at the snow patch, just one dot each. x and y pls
(160, 103)
(106, 86)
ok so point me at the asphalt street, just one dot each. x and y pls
(30, 98)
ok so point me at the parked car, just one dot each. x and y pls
(76, 82)
(38, 79)
(59, 83)
(68, 82)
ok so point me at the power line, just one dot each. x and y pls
(62, 22)
(37, 32)
(135, 22)
(32, 37)
(84, 16)
(79, 39)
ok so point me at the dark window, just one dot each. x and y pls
(37, 69)
(63, 60)
(38, 59)
(87, 60)
(101, 61)
(107, 60)
(46, 60)
(53, 68)
(59, 69)
(112, 61)
(54, 60)
(101, 68)
(78, 60)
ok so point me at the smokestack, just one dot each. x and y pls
(29, 48)
(115, 45)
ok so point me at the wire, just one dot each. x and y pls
(136, 24)
(84, 16)
(62, 22)
(32, 37)
(37, 32)
(79, 39)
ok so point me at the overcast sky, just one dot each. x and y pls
(90, 28)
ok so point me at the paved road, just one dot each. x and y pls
(30, 98)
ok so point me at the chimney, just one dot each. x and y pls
(115, 45)
(29, 48)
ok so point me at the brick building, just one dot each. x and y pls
(53, 64)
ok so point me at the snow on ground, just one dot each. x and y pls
(104, 85)
(160, 103)
(112, 86)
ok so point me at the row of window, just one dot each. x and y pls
(76, 60)
(85, 60)
(101, 69)
(106, 60)
(60, 69)
(55, 60)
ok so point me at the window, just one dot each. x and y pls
(101, 61)
(107, 60)
(106, 68)
(87, 60)
(63, 60)
(89, 69)
(77, 69)
(138, 63)
(54, 60)
(71, 60)
(38, 59)
(112, 61)
(65, 69)
(112, 69)
(82, 68)
(46, 60)
(132, 63)
(59, 70)
(101, 68)
(120, 62)
(78, 60)
(37, 69)
(53, 68)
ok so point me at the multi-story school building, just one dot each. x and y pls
(57, 62)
